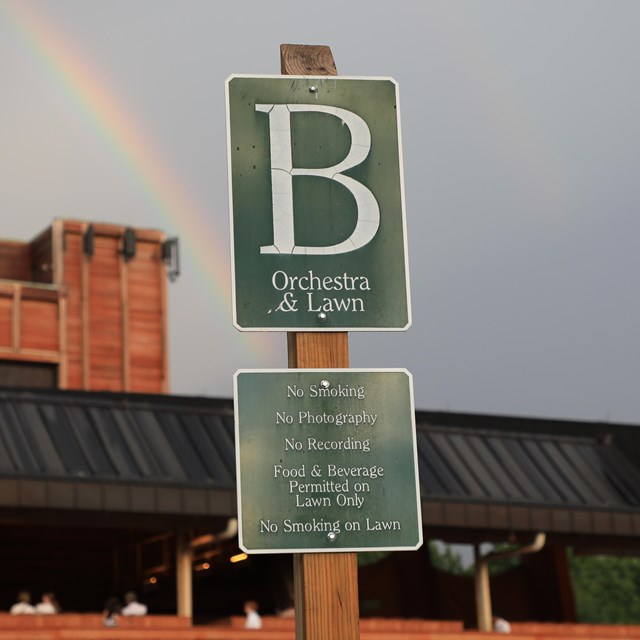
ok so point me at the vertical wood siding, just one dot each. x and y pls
(105, 316)
(41, 258)
(14, 261)
(116, 312)
(39, 320)
(146, 318)
(104, 320)
(72, 279)
(6, 320)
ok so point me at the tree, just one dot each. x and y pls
(606, 589)
(444, 558)
(447, 559)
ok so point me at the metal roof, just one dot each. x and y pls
(524, 474)
(117, 438)
(116, 453)
(175, 455)
(525, 468)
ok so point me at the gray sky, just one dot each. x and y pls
(521, 140)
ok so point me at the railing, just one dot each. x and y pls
(89, 626)
(30, 326)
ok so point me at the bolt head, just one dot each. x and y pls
(332, 536)
(325, 384)
(313, 89)
(322, 317)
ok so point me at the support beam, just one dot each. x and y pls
(484, 613)
(306, 60)
(482, 591)
(126, 342)
(57, 264)
(184, 579)
(16, 318)
(325, 584)
(84, 311)
(326, 596)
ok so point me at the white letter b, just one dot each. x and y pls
(282, 172)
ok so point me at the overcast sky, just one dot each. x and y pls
(521, 139)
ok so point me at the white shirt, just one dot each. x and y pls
(22, 607)
(501, 626)
(253, 621)
(45, 607)
(134, 609)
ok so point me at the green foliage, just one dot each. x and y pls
(607, 589)
(445, 559)
(367, 558)
(503, 564)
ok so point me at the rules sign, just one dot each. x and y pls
(317, 205)
(326, 460)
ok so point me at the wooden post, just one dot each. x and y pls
(126, 342)
(57, 260)
(84, 298)
(16, 317)
(165, 386)
(482, 591)
(326, 584)
(184, 580)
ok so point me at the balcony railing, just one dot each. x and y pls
(30, 321)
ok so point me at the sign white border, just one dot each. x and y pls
(323, 328)
(239, 471)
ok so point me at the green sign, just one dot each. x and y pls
(326, 460)
(317, 204)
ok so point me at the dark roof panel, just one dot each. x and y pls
(465, 463)
(108, 432)
(116, 438)
(188, 443)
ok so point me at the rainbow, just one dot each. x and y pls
(127, 139)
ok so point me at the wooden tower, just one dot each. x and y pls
(83, 306)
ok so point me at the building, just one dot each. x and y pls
(109, 483)
(83, 306)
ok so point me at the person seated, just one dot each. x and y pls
(132, 607)
(110, 612)
(48, 604)
(500, 625)
(23, 606)
(253, 619)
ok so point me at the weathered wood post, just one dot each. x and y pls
(334, 267)
(326, 584)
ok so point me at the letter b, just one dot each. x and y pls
(282, 172)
